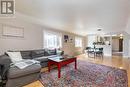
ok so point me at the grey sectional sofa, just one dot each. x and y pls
(41, 55)
(16, 77)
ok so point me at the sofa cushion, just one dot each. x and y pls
(37, 53)
(42, 59)
(26, 54)
(15, 72)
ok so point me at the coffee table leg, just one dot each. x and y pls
(59, 67)
(75, 64)
(48, 66)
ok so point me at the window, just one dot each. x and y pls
(52, 40)
(78, 42)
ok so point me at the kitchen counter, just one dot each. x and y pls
(107, 49)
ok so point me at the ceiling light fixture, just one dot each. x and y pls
(99, 29)
(121, 36)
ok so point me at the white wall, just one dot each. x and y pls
(128, 48)
(128, 26)
(127, 44)
(33, 37)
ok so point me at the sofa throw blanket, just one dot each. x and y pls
(24, 63)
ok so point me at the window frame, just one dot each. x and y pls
(57, 44)
(78, 42)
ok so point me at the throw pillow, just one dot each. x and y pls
(15, 56)
(46, 53)
(52, 51)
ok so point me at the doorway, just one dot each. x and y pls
(117, 46)
(121, 45)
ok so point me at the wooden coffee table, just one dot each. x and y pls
(61, 61)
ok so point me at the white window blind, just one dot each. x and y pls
(52, 40)
(78, 42)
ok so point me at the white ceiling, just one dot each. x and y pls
(78, 16)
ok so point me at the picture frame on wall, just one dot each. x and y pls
(12, 31)
(71, 40)
(66, 38)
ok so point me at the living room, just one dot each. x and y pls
(69, 43)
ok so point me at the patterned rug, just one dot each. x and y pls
(87, 75)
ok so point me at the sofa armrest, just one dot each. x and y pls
(5, 63)
(5, 60)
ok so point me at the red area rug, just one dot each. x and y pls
(87, 75)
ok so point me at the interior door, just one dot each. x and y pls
(120, 45)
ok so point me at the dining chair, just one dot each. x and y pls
(99, 52)
(90, 51)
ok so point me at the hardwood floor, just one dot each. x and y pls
(35, 84)
(114, 61)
